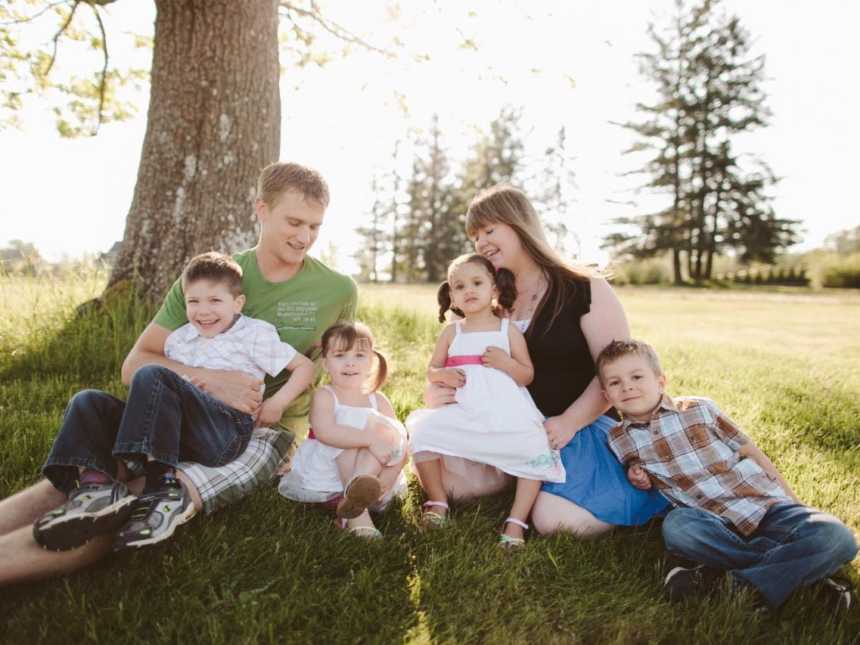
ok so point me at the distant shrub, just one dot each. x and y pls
(642, 272)
(841, 277)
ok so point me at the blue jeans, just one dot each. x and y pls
(165, 418)
(794, 545)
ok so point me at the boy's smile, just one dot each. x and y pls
(211, 307)
(632, 387)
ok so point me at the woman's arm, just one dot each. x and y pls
(518, 365)
(604, 322)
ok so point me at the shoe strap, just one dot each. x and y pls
(435, 503)
(521, 524)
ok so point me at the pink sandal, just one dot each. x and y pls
(432, 519)
(509, 542)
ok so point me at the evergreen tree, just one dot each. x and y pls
(555, 200)
(709, 91)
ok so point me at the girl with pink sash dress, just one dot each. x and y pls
(494, 421)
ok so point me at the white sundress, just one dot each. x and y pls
(314, 476)
(494, 420)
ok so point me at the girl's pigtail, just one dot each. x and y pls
(443, 297)
(381, 370)
(506, 285)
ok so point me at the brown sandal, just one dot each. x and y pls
(360, 492)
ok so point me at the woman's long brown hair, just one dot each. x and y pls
(509, 205)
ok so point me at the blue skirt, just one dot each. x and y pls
(597, 481)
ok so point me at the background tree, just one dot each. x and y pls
(369, 255)
(709, 91)
(558, 180)
(213, 120)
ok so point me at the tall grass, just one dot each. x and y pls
(267, 570)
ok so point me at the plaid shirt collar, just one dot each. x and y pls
(666, 405)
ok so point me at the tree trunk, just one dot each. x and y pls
(676, 265)
(213, 123)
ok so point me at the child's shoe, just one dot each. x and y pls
(91, 510)
(688, 582)
(431, 519)
(363, 531)
(837, 595)
(510, 542)
(156, 516)
(360, 492)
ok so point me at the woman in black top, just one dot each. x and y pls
(568, 315)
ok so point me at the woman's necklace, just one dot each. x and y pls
(527, 301)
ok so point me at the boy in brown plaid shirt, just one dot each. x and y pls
(733, 510)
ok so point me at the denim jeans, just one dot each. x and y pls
(794, 545)
(166, 418)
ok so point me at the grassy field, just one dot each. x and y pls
(784, 366)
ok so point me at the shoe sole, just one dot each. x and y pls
(67, 532)
(179, 520)
(361, 493)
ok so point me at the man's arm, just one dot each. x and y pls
(237, 389)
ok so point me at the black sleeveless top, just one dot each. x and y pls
(563, 366)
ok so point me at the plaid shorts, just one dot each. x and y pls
(222, 485)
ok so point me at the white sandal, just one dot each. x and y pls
(432, 519)
(508, 542)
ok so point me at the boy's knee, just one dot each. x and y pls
(149, 374)
(677, 529)
(88, 399)
(839, 539)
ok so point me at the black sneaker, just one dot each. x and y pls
(837, 594)
(690, 582)
(90, 511)
(155, 516)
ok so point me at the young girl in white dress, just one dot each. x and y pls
(494, 420)
(356, 447)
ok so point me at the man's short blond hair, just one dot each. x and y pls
(620, 348)
(278, 178)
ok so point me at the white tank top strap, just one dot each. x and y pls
(373, 401)
(330, 390)
(457, 327)
(504, 332)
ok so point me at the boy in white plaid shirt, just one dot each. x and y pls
(167, 418)
(734, 511)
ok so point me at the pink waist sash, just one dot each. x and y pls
(456, 361)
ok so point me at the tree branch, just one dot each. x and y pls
(333, 28)
(103, 83)
(44, 10)
(59, 33)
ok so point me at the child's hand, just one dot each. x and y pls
(385, 442)
(451, 376)
(638, 477)
(497, 358)
(270, 413)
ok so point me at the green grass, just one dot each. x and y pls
(267, 570)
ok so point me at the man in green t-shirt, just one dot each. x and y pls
(296, 293)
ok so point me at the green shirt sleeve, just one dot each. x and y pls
(351, 305)
(172, 313)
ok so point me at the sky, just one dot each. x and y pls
(566, 63)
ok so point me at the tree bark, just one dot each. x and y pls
(213, 123)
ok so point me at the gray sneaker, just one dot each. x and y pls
(155, 517)
(90, 511)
